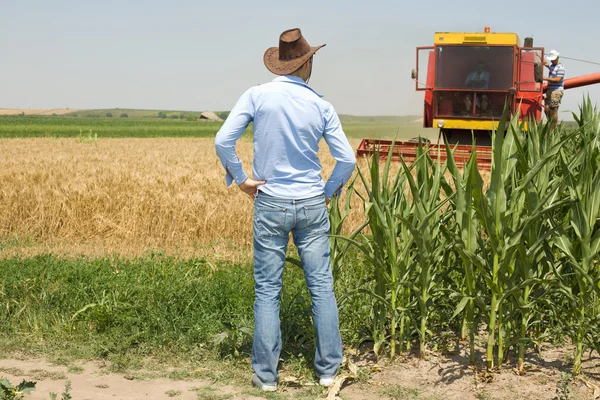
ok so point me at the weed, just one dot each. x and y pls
(180, 375)
(232, 337)
(61, 361)
(541, 379)
(41, 374)
(208, 393)
(12, 371)
(65, 395)
(563, 386)
(75, 369)
(398, 392)
(10, 392)
(265, 395)
(173, 393)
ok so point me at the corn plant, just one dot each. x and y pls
(466, 235)
(579, 243)
(520, 253)
(537, 195)
(424, 223)
(337, 216)
(384, 204)
(504, 219)
(491, 210)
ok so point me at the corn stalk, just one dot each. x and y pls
(425, 226)
(384, 203)
(580, 242)
(466, 235)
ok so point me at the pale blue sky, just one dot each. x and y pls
(198, 55)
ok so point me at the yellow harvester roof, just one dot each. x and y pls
(476, 38)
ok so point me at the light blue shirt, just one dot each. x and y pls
(479, 76)
(289, 119)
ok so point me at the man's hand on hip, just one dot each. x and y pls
(250, 187)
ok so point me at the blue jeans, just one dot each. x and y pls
(308, 221)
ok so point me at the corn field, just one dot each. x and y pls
(515, 258)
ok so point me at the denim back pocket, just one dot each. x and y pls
(317, 218)
(270, 221)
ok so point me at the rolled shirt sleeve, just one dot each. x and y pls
(238, 120)
(340, 150)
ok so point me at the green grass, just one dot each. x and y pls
(25, 127)
(385, 127)
(126, 310)
(110, 307)
(142, 125)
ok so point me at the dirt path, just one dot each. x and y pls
(439, 378)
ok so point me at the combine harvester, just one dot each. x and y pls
(460, 109)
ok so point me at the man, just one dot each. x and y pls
(555, 90)
(478, 79)
(289, 119)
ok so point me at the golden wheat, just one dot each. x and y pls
(125, 196)
(128, 197)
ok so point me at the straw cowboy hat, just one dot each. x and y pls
(293, 51)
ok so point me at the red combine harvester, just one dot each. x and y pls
(467, 77)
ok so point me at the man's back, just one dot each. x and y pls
(289, 121)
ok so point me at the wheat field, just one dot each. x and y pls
(129, 197)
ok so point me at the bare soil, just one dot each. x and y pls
(439, 377)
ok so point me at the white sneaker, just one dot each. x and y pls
(263, 386)
(327, 382)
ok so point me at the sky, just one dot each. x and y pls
(198, 55)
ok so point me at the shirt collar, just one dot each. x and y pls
(295, 80)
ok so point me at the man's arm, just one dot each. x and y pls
(560, 74)
(486, 79)
(233, 128)
(546, 63)
(556, 79)
(340, 150)
(469, 79)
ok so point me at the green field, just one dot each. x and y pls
(146, 124)
(59, 126)
(136, 113)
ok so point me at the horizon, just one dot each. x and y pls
(166, 110)
(190, 56)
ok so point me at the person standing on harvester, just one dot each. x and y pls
(556, 88)
(289, 119)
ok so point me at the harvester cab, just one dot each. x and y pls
(467, 78)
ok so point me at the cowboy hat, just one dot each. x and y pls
(553, 55)
(292, 53)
